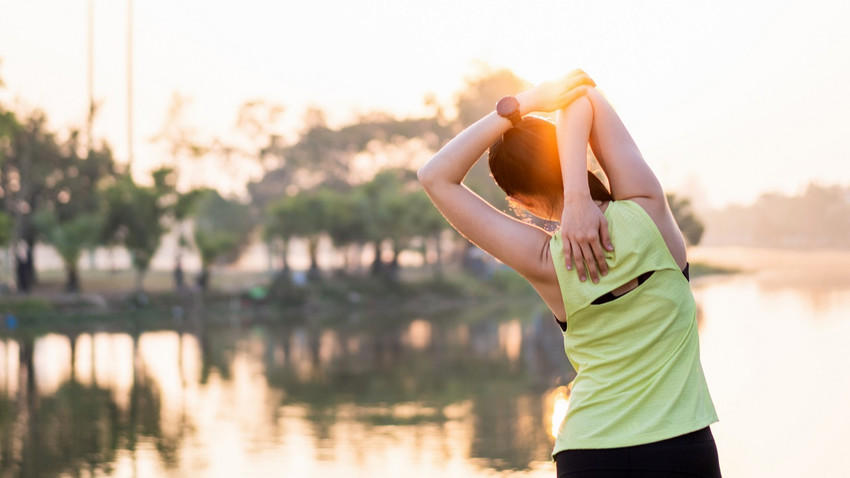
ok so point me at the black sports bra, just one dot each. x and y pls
(608, 297)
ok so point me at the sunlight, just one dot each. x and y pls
(510, 339)
(559, 402)
(52, 362)
(418, 334)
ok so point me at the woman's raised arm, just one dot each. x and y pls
(629, 176)
(519, 245)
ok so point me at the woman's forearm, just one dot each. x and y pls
(573, 130)
(628, 174)
(451, 164)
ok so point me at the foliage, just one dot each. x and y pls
(690, 225)
(38, 172)
(222, 229)
(134, 218)
(5, 229)
(70, 238)
(304, 215)
(819, 217)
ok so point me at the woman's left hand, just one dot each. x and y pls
(584, 233)
(556, 94)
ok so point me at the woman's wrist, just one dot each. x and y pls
(572, 196)
(526, 102)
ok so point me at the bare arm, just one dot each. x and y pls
(629, 176)
(519, 245)
(584, 228)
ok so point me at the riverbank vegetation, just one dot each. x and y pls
(348, 192)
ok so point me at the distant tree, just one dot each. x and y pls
(275, 230)
(222, 230)
(70, 238)
(345, 222)
(40, 173)
(5, 229)
(324, 156)
(180, 213)
(395, 211)
(690, 225)
(134, 218)
(819, 218)
(303, 215)
(429, 224)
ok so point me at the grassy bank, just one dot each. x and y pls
(109, 295)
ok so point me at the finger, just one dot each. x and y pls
(599, 257)
(575, 81)
(578, 260)
(568, 255)
(581, 80)
(605, 235)
(572, 95)
(590, 261)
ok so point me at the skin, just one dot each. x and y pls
(583, 117)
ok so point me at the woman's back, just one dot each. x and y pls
(637, 356)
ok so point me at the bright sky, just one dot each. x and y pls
(726, 99)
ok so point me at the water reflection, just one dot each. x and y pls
(464, 397)
(449, 396)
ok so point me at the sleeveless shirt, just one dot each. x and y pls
(639, 377)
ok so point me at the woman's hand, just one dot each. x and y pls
(584, 231)
(555, 94)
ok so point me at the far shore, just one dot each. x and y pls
(105, 292)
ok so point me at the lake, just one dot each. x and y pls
(459, 395)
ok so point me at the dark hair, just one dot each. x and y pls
(525, 161)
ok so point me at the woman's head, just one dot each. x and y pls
(525, 164)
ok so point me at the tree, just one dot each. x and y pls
(183, 208)
(303, 215)
(134, 218)
(222, 229)
(70, 238)
(690, 225)
(345, 222)
(40, 173)
(393, 208)
(428, 223)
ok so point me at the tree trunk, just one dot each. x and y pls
(140, 280)
(204, 278)
(313, 248)
(393, 269)
(438, 265)
(377, 263)
(179, 276)
(32, 276)
(284, 253)
(22, 278)
(72, 278)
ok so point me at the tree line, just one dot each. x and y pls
(819, 217)
(354, 185)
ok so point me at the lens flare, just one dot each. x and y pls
(559, 403)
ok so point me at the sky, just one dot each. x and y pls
(726, 99)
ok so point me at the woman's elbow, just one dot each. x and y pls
(427, 176)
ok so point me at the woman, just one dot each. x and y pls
(640, 405)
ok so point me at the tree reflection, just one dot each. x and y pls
(428, 385)
(79, 426)
(502, 369)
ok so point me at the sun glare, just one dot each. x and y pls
(559, 402)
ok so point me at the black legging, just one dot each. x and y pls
(688, 456)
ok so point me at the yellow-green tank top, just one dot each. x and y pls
(639, 377)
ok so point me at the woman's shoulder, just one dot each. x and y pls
(656, 214)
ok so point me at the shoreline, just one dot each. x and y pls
(106, 294)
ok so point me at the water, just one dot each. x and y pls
(452, 396)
